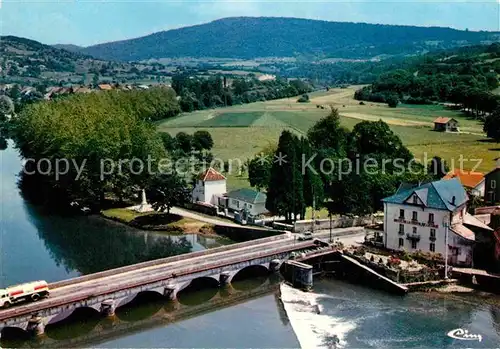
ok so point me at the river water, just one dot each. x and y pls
(38, 245)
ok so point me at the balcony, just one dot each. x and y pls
(401, 232)
(415, 237)
(432, 238)
(411, 221)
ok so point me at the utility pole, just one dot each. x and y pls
(445, 250)
(331, 238)
(313, 212)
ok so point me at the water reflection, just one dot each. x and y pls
(93, 244)
(82, 321)
(147, 310)
(143, 306)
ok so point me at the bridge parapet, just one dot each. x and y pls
(172, 259)
(106, 298)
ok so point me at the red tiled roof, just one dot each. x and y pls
(442, 120)
(211, 175)
(468, 179)
(105, 87)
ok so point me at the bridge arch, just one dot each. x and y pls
(11, 333)
(251, 271)
(198, 291)
(79, 323)
(144, 305)
(69, 313)
(250, 277)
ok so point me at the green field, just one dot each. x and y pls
(239, 132)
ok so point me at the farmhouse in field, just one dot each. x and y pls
(472, 181)
(446, 124)
(208, 187)
(418, 217)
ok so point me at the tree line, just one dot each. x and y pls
(327, 151)
(99, 134)
(197, 93)
(465, 77)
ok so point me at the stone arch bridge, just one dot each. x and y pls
(110, 289)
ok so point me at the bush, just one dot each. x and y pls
(393, 261)
(392, 101)
(303, 99)
(361, 103)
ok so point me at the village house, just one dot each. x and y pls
(446, 124)
(105, 87)
(492, 191)
(418, 217)
(209, 186)
(472, 181)
(254, 202)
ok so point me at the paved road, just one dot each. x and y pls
(188, 214)
(93, 287)
(81, 289)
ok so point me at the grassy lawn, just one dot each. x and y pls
(243, 119)
(241, 131)
(123, 215)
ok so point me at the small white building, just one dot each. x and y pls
(209, 186)
(247, 199)
(417, 217)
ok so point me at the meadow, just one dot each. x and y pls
(241, 131)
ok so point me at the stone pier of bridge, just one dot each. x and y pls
(33, 317)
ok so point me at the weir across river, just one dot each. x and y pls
(105, 291)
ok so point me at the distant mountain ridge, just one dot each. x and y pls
(252, 37)
(69, 47)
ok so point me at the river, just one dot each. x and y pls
(37, 245)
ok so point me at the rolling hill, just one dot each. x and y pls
(28, 62)
(252, 37)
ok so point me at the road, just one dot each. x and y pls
(121, 280)
(188, 214)
(94, 287)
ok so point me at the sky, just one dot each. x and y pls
(89, 22)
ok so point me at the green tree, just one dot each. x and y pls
(437, 168)
(327, 134)
(202, 140)
(14, 93)
(392, 101)
(184, 142)
(168, 141)
(6, 107)
(377, 139)
(492, 125)
(95, 131)
(285, 195)
(167, 190)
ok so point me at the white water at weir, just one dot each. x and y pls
(313, 328)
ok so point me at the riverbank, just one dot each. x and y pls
(160, 222)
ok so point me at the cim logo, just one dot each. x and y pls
(464, 335)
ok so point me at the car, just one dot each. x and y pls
(306, 236)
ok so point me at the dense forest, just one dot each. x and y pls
(252, 37)
(464, 76)
(217, 91)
